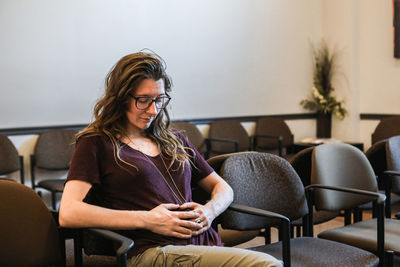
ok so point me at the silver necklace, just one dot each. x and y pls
(181, 199)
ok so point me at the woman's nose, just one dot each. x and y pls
(152, 109)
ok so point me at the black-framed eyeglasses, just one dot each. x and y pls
(144, 102)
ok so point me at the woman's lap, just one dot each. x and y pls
(197, 256)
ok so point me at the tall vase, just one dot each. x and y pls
(324, 124)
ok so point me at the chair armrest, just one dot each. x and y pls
(257, 211)
(278, 137)
(392, 173)
(285, 227)
(380, 197)
(124, 243)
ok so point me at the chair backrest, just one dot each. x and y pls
(386, 128)
(276, 127)
(264, 181)
(193, 134)
(28, 233)
(228, 129)
(393, 160)
(54, 149)
(376, 155)
(9, 158)
(301, 162)
(341, 165)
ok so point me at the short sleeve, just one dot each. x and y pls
(85, 162)
(199, 166)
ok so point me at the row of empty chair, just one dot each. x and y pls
(272, 134)
(49, 162)
(53, 151)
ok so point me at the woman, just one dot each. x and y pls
(142, 173)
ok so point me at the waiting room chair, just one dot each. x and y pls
(393, 166)
(267, 186)
(192, 133)
(29, 235)
(387, 127)
(272, 134)
(10, 161)
(226, 136)
(346, 168)
(301, 162)
(377, 156)
(50, 161)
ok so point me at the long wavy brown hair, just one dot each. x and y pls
(110, 111)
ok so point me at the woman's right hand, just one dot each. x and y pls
(166, 219)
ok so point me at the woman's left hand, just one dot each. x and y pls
(205, 217)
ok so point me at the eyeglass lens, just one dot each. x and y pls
(144, 102)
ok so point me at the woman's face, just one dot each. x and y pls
(141, 119)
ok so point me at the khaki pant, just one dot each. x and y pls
(202, 256)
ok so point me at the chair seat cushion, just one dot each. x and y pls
(308, 251)
(363, 235)
(56, 185)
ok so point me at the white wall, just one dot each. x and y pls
(227, 57)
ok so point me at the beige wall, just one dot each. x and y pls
(362, 29)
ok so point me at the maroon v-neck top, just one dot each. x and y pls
(123, 187)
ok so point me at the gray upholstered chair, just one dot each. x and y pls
(272, 134)
(192, 133)
(393, 166)
(51, 159)
(11, 163)
(226, 136)
(386, 128)
(268, 192)
(346, 168)
(301, 162)
(377, 156)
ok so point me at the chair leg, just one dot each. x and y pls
(77, 250)
(298, 231)
(374, 207)
(347, 217)
(357, 215)
(267, 235)
(389, 258)
(53, 200)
